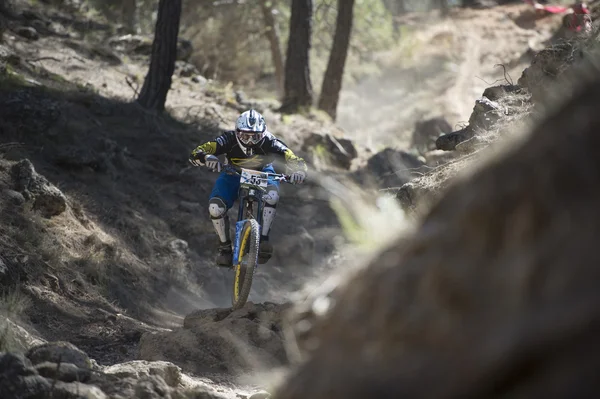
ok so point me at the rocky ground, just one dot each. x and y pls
(61, 370)
(104, 240)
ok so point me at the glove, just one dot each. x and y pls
(197, 159)
(298, 177)
(212, 163)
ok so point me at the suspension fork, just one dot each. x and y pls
(247, 200)
(242, 209)
(259, 211)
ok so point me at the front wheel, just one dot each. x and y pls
(248, 259)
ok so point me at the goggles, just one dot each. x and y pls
(249, 137)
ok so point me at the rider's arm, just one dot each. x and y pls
(291, 159)
(218, 146)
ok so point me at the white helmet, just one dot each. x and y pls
(250, 128)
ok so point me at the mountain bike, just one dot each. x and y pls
(253, 186)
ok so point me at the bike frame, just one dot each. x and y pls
(249, 195)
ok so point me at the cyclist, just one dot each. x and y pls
(250, 146)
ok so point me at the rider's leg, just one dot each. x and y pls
(218, 214)
(269, 211)
(221, 199)
(271, 200)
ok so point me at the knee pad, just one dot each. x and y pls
(217, 208)
(271, 198)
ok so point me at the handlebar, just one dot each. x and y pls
(232, 169)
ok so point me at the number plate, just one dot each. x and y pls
(254, 177)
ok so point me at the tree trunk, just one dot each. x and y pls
(401, 7)
(164, 53)
(297, 85)
(129, 16)
(3, 7)
(4, 12)
(332, 81)
(444, 7)
(273, 37)
(396, 8)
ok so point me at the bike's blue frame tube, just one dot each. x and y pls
(238, 234)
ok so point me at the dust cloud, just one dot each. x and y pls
(438, 69)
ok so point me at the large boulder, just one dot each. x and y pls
(14, 335)
(66, 372)
(19, 380)
(496, 103)
(448, 142)
(392, 168)
(426, 133)
(486, 113)
(59, 352)
(222, 341)
(336, 151)
(46, 197)
(141, 368)
(494, 295)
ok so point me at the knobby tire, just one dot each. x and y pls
(249, 246)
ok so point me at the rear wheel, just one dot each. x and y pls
(248, 259)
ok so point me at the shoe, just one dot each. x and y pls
(225, 255)
(265, 251)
